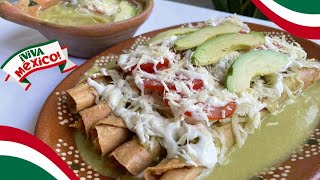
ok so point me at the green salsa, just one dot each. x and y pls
(273, 144)
(92, 158)
(83, 12)
(280, 135)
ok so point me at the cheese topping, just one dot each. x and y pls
(179, 116)
(105, 8)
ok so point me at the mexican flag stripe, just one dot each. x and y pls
(16, 168)
(28, 153)
(306, 6)
(303, 24)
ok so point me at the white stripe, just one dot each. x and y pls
(311, 20)
(23, 85)
(8, 148)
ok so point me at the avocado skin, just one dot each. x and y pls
(251, 64)
(199, 37)
(172, 32)
(216, 48)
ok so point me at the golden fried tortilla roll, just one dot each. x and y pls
(93, 114)
(183, 173)
(135, 157)
(309, 76)
(81, 97)
(109, 133)
(172, 169)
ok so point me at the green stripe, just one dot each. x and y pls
(26, 81)
(16, 169)
(62, 66)
(24, 49)
(32, 3)
(305, 6)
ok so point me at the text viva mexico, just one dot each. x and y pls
(34, 58)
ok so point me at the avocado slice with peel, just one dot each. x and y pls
(202, 35)
(216, 48)
(254, 63)
(172, 32)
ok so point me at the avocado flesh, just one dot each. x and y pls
(202, 35)
(216, 48)
(127, 11)
(254, 63)
(172, 32)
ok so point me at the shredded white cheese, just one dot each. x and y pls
(199, 142)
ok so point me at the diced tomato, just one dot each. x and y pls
(164, 65)
(155, 85)
(222, 112)
(188, 113)
(197, 84)
(217, 113)
(148, 67)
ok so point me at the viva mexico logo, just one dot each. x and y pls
(301, 18)
(34, 58)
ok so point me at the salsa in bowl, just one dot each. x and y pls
(80, 26)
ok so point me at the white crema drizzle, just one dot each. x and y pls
(193, 142)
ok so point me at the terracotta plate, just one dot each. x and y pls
(52, 126)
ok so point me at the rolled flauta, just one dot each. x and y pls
(109, 133)
(309, 76)
(83, 96)
(172, 169)
(135, 157)
(93, 114)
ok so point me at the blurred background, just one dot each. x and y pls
(200, 3)
(243, 7)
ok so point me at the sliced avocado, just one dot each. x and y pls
(214, 49)
(254, 63)
(127, 10)
(202, 35)
(172, 32)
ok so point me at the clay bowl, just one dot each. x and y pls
(82, 41)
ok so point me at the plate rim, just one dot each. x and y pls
(40, 132)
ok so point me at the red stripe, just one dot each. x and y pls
(26, 89)
(19, 136)
(7, 77)
(66, 70)
(40, 68)
(295, 29)
(63, 47)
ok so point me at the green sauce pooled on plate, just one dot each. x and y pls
(280, 135)
(81, 12)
